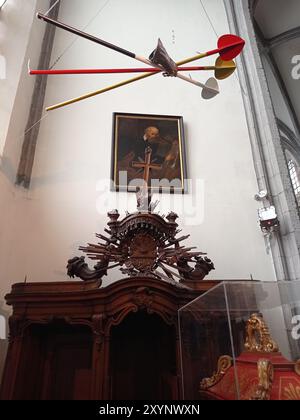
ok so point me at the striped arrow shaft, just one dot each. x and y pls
(229, 46)
(115, 86)
(122, 70)
(236, 44)
(108, 45)
(85, 35)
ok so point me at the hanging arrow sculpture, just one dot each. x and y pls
(223, 69)
(210, 89)
(229, 46)
(118, 49)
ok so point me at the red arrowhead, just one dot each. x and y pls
(230, 46)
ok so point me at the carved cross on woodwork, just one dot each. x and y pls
(143, 243)
(144, 197)
(147, 165)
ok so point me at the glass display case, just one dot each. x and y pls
(241, 340)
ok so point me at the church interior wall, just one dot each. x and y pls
(69, 195)
(20, 38)
(74, 148)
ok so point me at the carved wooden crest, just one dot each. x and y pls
(143, 250)
(143, 243)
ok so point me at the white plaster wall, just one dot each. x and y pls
(20, 39)
(18, 86)
(15, 25)
(46, 225)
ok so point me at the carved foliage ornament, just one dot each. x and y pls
(258, 341)
(258, 338)
(224, 363)
(142, 244)
(265, 376)
(143, 298)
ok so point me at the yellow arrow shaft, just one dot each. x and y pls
(98, 92)
(189, 60)
(117, 85)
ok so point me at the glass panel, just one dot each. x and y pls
(205, 334)
(214, 325)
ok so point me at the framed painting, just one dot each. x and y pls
(164, 135)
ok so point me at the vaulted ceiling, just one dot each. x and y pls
(277, 25)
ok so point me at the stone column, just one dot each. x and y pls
(37, 104)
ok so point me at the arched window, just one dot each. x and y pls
(294, 174)
(294, 171)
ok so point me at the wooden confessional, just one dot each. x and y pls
(73, 340)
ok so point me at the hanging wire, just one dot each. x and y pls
(209, 19)
(217, 35)
(88, 24)
(76, 39)
(2, 3)
(33, 125)
(45, 115)
(52, 7)
(61, 55)
(36, 123)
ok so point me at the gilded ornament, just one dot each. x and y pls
(266, 377)
(224, 363)
(258, 338)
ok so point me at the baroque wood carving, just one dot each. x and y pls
(143, 243)
(149, 250)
